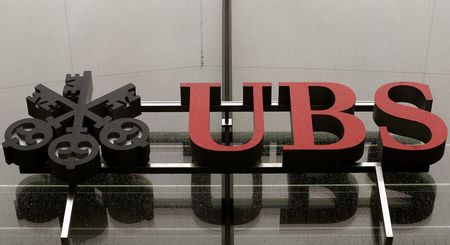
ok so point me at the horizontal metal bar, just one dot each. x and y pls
(268, 168)
(163, 106)
(176, 106)
(364, 105)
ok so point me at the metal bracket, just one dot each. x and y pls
(227, 123)
(389, 234)
(227, 207)
(65, 230)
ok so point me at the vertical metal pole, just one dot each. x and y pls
(384, 205)
(65, 230)
(227, 209)
(227, 179)
(227, 88)
(226, 50)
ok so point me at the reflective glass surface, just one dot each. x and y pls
(158, 44)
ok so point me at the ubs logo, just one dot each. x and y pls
(68, 131)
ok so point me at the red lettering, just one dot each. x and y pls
(204, 149)
(417, 123)
(326, 107)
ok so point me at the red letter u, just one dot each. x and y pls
(205, 151)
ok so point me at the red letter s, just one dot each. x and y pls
(418, 123)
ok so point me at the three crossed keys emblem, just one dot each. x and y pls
(68, 131)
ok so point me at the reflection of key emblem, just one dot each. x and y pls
(65, 131)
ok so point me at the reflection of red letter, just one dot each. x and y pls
(321, 107)
(418, 123)
(204, 149)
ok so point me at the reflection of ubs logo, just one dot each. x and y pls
(134, 203)
(67, 130)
